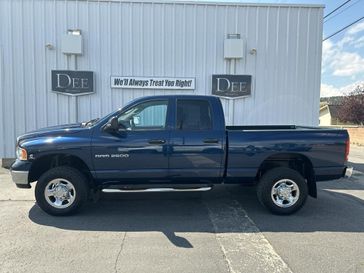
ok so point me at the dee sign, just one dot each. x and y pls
(231, 86)
(73, 83)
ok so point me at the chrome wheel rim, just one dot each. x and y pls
(285, 193)
(60, 193)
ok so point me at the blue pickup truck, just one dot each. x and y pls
(176, 143)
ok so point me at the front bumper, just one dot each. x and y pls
(20, 173)
(20, 178)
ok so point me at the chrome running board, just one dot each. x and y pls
(156, 190)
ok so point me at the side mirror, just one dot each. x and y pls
(112, 125)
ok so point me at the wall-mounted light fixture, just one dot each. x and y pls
(49, 46)
(253, 51)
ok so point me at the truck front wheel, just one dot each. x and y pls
(61, 191)
(282, 190)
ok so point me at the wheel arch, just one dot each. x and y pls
(47, 162)
(295, 161)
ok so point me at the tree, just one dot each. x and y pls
(352, 108)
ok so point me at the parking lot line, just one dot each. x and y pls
(244, 247)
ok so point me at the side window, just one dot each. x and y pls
(149, 115)
(193, 115)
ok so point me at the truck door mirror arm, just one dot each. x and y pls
(113, 125)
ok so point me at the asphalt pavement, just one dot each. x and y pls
(224, 230)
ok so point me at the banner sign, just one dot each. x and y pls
(73, 83)
(152, 83)
(231, 86)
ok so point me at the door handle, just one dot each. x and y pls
(157, 141)
(211, 140)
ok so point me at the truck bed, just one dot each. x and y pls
(260, 127)
(273, 127)
(249, 146)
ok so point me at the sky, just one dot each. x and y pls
(343, 54)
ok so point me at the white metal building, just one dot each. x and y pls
(281, 51)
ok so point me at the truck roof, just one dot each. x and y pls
(205, 97)
(178, 95)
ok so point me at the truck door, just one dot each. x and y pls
(138, 153)
(196, 145)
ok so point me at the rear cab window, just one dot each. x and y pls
(193, 115)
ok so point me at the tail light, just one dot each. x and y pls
(347, 149)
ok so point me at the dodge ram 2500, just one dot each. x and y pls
(179, 143)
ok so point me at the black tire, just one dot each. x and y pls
(74, 178)
(273, 176)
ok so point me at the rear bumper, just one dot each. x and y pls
(331, 173)
(348, 172)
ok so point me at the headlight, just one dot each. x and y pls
(21, 153)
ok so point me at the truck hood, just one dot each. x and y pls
(52, 131)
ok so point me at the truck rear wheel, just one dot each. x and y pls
(61, 191)
(282, 190)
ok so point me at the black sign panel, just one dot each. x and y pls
(73, 83)
(231, 85)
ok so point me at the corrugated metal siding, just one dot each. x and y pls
(156, 39)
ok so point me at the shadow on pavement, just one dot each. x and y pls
(164, 212)
(355, 182)
(171, 213)
(330, 212)
(357, 166)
